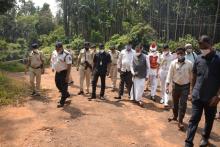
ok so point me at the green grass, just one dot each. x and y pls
(12, 67)
(11, 90)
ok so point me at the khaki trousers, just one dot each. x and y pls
(84, 74)
(35, 79)
(114, 74)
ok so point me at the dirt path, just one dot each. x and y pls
(38, 123)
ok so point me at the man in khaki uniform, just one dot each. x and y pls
(85, 67)
(36, 68)
(114, 71)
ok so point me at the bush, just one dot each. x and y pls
(77, 42)
(182, 41)
(3, 45)
(96, 36)
(140, 33)
(12, 67)
(11, 89)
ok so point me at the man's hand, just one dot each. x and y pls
(67, 79)
(146, 78)
(107, 74)
(167, 88)
(53, 70)
(119, 70)
(214, 101)
(42, 71)
(77, 69)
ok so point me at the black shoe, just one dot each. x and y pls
(68, 95)
(204, 143)
(153, 98)
(70, 83)
(118, 98)
(60, 105)
(33, 93)
(91, 98)
(81, 93)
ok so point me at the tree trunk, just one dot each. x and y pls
(216, 20)
(184, 24)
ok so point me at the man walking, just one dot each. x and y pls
(153, 59)
(114, 70)
(206, 91)
(139, 70)
(124, 68)
(102, 61)
(85, 67)
(35, 64)
(190, 54)
(179, 76)
(165, 61)
(62, 66)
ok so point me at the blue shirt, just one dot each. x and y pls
(207, 71)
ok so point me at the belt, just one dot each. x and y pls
(36, 67)
(185, 85)
(61, 71)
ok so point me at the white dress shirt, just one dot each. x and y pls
(60, 61)
(125, 60)
(180, 73)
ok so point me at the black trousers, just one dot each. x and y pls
(62, 85)
(197, 109)
(102, 76)
(126, 80)
(180, 95)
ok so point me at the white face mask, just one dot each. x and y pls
(35, 50)
(153, 50)
(128, 47)
(102, 50)
(189, 50)
(165, 52)
(138, 54)
(205, 52)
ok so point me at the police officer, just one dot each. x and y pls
(35, 65)
(114, 70)
(101, 67)
(85, 67)
(62, 66)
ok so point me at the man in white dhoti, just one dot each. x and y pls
(165, 60)
(139, 70)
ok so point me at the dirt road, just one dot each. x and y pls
(83, 123)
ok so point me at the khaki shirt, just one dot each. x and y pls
(85, 56)
(180, 73)
(35, 59)
(114, 56)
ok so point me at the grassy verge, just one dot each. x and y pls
(12, 67)
(11, 89)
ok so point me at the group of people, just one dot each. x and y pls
(180, 74)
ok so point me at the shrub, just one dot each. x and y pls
(77, 42)
(12, 67)
(11, 89)
(96, 36)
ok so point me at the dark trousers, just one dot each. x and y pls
(126, 80)
(180, 95)
(197, 110)
(96, 75)
(62, 85)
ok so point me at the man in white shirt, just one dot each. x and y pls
(190, 54)
(165, 60)
(153, 59)
(179, 76)
(124, 68)
(62, 66)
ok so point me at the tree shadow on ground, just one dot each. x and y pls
(44, 97)
(115, 103)
(9, 128)
(74, 112)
